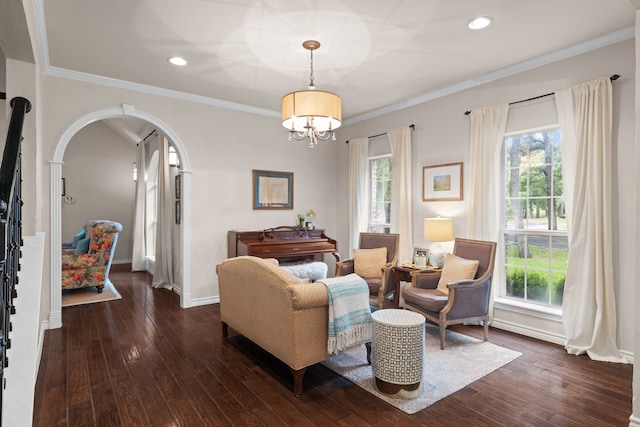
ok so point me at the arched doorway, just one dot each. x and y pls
(55, 191)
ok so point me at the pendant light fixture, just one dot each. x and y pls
(313, 114)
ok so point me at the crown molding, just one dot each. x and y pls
(577, 49)
(154, 90)
(549, 58)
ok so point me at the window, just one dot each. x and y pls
(151, 206)
(380, 194)
(535, 226)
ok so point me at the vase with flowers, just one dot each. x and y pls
(301, 219)
(311, 215)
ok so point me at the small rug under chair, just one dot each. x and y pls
(463, 361)
(89, 295)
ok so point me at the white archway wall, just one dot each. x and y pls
(223, 147)
(55, 191)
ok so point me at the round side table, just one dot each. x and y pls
(398, 352)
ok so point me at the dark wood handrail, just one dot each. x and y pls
(20, 107)
(10, 227)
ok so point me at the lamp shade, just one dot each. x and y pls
(320, 109)
(438, 229)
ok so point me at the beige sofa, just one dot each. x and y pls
(284, 315)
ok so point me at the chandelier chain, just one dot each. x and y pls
(311, 85)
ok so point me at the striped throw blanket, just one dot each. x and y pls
(349, 312)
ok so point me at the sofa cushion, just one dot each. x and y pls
(374, 284)
(312, 270)
(369, 262)
(429, 299)
(82, 247)
(283, 275)
(81, 235)
(456, 268)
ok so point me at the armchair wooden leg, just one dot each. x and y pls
(381, 298)
(297, 381)
(225, 330)
(486, 330)
(442, 333)
(368, 345)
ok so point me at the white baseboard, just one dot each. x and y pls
(543, 335)
(205, 301)
(634, 421)
(528, 331)
(43, 329)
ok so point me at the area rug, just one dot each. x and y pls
(463, 361)
(89, 295)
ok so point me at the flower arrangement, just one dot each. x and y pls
(311, 214)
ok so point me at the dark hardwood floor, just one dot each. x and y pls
(144, 361)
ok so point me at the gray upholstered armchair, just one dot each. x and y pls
(380, 278)
(467, 299)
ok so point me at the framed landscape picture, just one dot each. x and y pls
(442, 182)
(272, 190)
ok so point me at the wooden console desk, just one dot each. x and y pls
(284, 243)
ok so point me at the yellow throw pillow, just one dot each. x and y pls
(456, 268)
(369, 262)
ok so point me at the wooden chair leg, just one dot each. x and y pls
(381, 298)
(442, 333)
(298, 375)
(486, 330)
(225, 330)
(368, 345)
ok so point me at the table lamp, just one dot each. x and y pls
(438, 230)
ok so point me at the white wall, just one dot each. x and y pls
(442, 136)
(635, 417)
(21, 82)
(98, 175)
(223, 147)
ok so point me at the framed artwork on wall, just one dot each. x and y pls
(178, 188)
(442, 182)
(272, 190)
(177, 211)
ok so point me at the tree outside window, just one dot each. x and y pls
(380, 194)
(535, 231)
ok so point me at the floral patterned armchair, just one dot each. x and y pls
(81, 270)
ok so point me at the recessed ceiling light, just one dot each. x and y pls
(176, 60)
(480, 22)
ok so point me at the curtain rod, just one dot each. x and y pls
(150, 134)
(612, 78)
(413, 127)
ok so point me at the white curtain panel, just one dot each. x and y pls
(163, 271)
(139, 251)
(358, 165)
(401, 217)
(589, 310)
(485, 170)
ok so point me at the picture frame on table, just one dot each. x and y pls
(272, 189)
(417, 254)
(442, 182)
